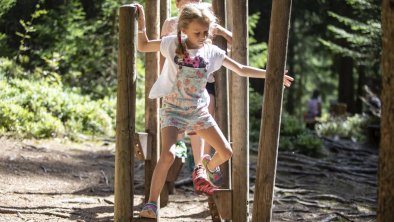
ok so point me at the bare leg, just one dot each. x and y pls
(198, 148)
(211, 109)
(218, 141)
(167, 156)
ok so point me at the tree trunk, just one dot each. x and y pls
(344, 68)
(385, 211)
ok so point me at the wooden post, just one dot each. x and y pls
(221, 102)
(125, 114)
(385, 205)
(151, 105)
(165, 11)
(240, 115)
(221, 87)
(272, 108)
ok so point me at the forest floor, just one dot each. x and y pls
(56, 180)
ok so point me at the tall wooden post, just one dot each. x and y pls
(221, 87)
(385, 210)
(125, 114)
(151, 105)
(272, 109)
(240, 115)
(165, 11)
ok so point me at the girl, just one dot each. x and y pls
(185, 102)
(199, 147)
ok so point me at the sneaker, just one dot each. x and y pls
(215, 177)
(149, 210)
(201, 182)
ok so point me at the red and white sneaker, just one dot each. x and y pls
(215, 177)
(201, 182)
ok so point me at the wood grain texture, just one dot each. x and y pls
(272, 109)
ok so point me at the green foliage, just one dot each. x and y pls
(293, 134)
(295, 137)
(309, 144)
(352, 127)
(361, 31)
(258, 52)
(291, 125)
(5, 6)
(41, 109)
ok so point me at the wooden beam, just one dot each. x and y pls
(165, 11)
(125, 114)
(385, 205)
(224, 199)
(151, 105)
(240, 115)
(272, 109)
(222, 115)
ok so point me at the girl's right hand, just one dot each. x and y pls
(141, 17)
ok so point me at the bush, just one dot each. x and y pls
(352, 127)
(32, 108)
(295, 137)
(293, 134)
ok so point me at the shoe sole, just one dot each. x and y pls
(148, 214)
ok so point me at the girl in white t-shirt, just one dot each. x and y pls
(185, 99)
(199, 147)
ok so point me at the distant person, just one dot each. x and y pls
(314, 110)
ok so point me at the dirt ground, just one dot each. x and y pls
(56, 180)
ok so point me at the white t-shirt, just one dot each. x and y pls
(163, 86)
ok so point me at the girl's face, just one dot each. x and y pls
(180, 3)
(197, 33)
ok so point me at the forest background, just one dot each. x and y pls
(58, 66)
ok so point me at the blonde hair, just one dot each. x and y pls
(192, 12)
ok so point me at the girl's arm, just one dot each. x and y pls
(226, 34)
(144, 44)
(248, 71)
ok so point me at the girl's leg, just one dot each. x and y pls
(211, 109)
(167, 156)
(218, 141)
(197, 148)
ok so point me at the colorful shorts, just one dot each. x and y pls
(187, 119)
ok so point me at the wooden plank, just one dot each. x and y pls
(125, 114)
(270, 121)
(224, 199)
(240, 115)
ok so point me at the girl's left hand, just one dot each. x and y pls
(141, 17)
